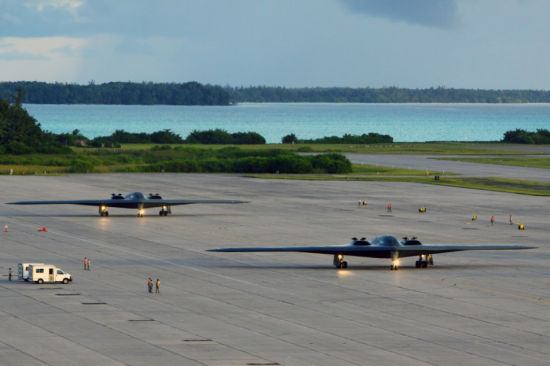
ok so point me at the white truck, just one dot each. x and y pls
(23, 273)
(42, 273)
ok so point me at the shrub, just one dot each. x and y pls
(222, 137)
(289, 139)
(520, 136)
(331, 163)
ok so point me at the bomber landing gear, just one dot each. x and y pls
(165, 210)
(395, 261)
(339, 261)
(141, 213)
(103, 211)
(424, 260)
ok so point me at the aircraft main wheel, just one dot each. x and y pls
(417, 264)
(391, 267)
(344, 264)
(424, 264)
(106, 213)
(161, 213)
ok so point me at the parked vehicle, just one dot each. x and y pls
(48, 273)
(23, 273)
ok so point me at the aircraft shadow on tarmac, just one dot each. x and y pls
(121, 215)
(377, 267)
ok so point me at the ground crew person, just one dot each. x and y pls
(492, 220)
(85, 263)
(389, 207)
(150, 284)
(359, 203)
(511, 222)
(9, 274)
(88, 264)
(157, 286)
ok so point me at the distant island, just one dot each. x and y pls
(194, 93)
(191, 93)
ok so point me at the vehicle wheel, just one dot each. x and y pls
(65, 281)
(40, 281)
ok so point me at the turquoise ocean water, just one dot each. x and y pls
(405, 122)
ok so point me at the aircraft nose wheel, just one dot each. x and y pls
(339, 261)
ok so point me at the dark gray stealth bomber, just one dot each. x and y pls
(136, 200)
(385, 246)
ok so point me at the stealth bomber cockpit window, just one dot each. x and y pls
(135, 196)
(386, 240)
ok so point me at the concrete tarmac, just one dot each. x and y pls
(475, 308)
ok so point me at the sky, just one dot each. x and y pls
(485, 44)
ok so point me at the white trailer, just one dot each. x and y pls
(48, 273)
(23, 273)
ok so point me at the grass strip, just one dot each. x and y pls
(365, 169)
(525, 161)
(489, 184)
(430, 148)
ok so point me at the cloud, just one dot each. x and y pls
(68, 5)
(432, 13)
(40, 58)
(40, 47)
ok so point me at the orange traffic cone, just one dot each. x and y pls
(43, 229)
(6, 228)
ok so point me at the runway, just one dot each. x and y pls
(476, 308)
(432, 163)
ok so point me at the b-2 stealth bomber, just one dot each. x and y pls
(384, 246)
(135, 200)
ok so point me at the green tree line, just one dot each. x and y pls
(370, 138)
(519, 136)
(261, 94)
(194, 93)
(191, 93)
